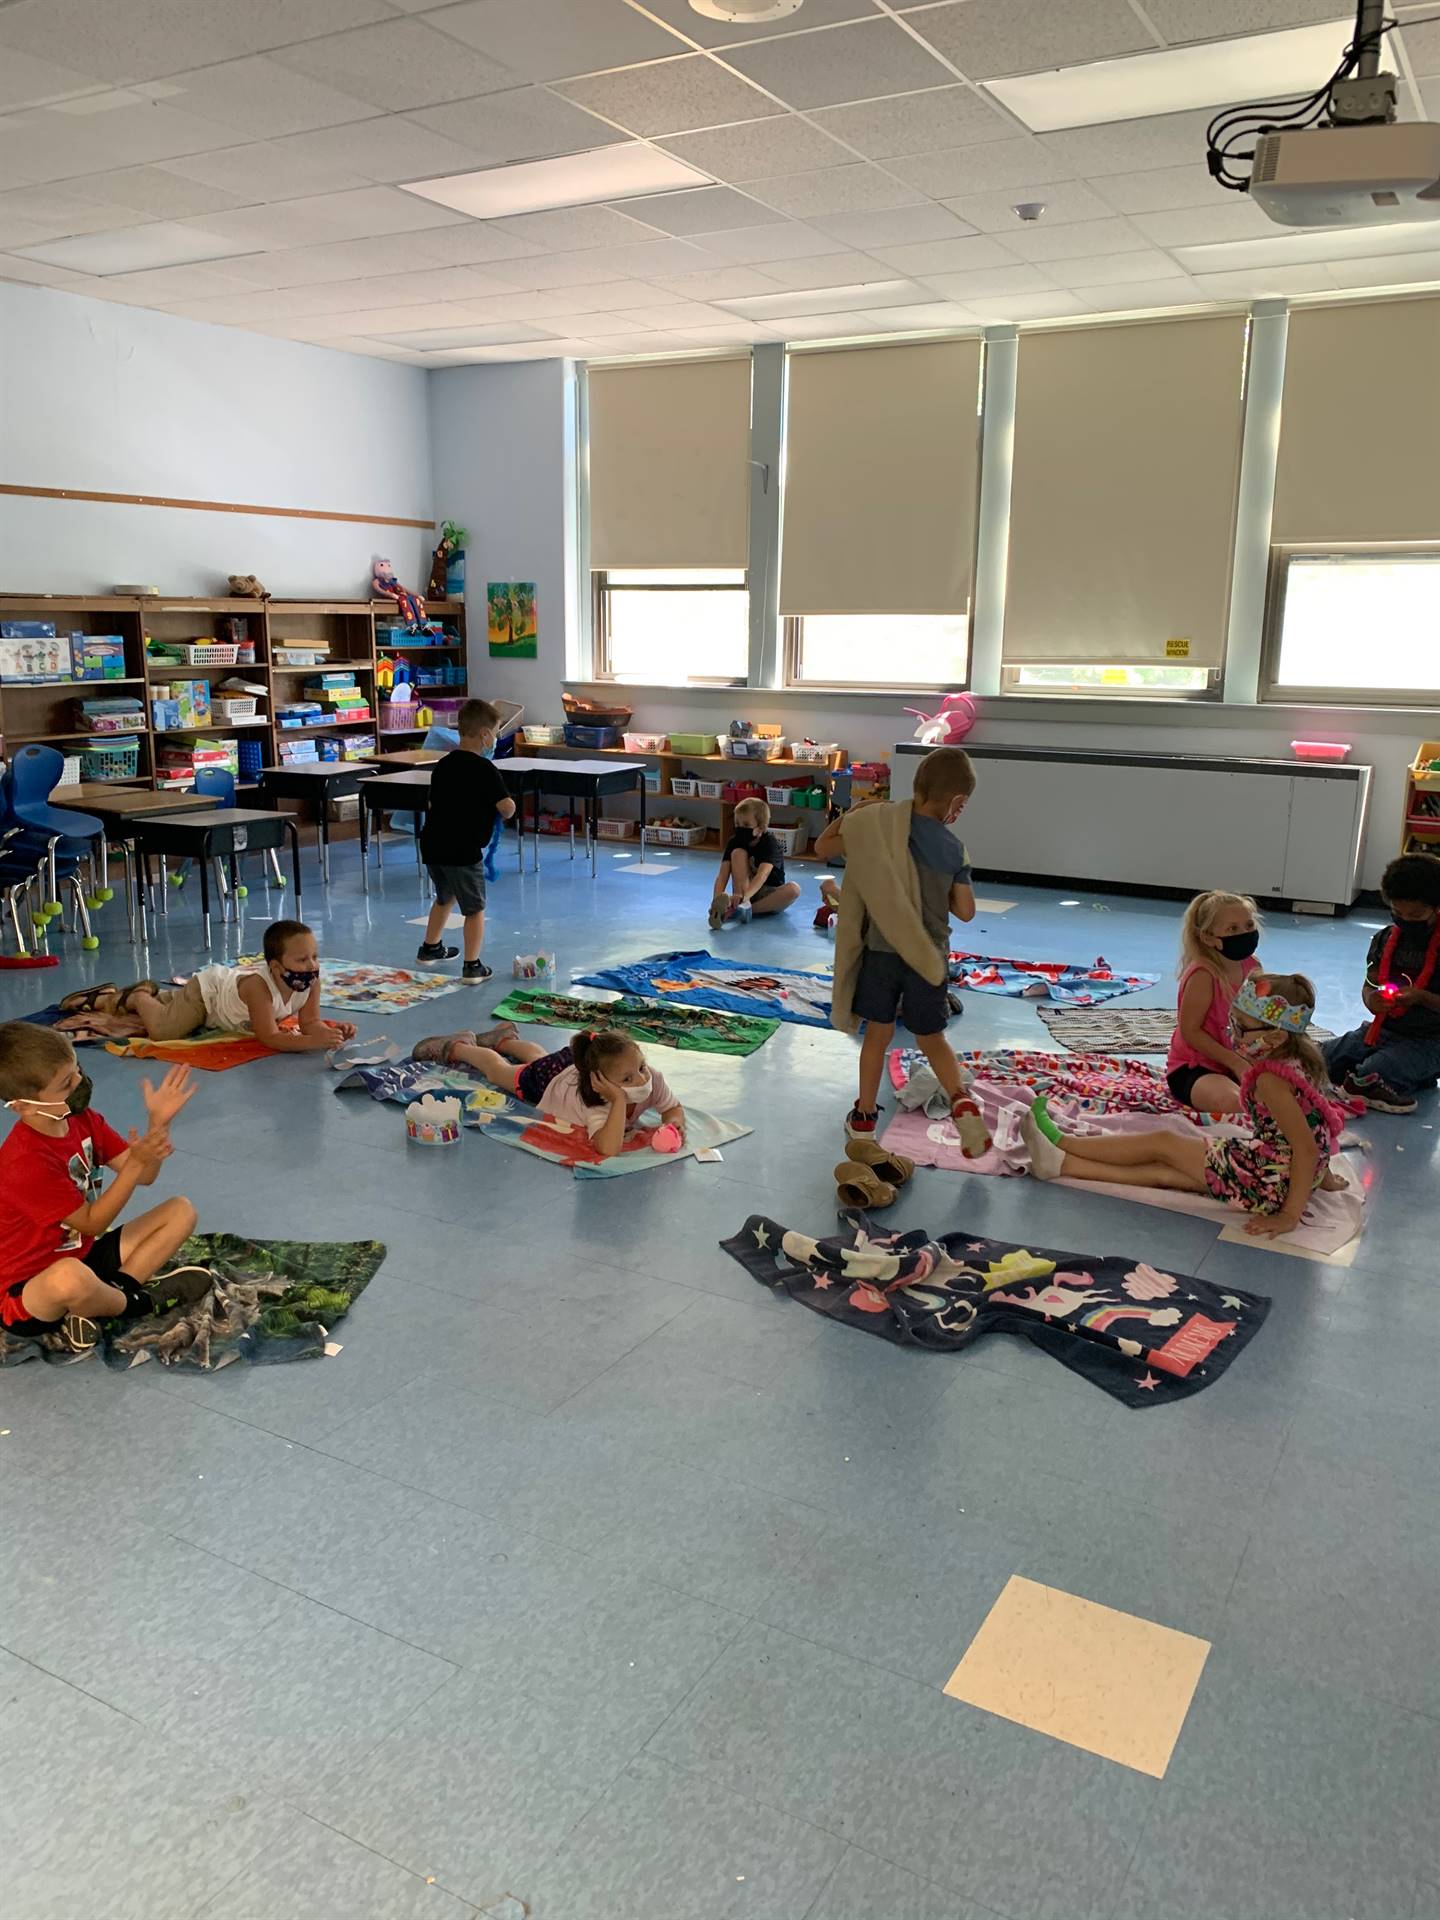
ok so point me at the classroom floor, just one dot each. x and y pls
(590, 1581)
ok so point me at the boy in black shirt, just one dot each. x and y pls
(1397, 1053)
(466, 794)
(753, 865)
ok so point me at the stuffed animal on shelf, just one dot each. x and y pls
(949, 724)
(384, 586)
(439, 561)
(244, 586)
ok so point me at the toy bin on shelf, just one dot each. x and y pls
(645, 742)
(1318, 750)
(614, 829)
(234, 712)
(209, 653)
(813, 752)
(682, 787)
(709, 789)
(684, 836)
(540, 736)
(692, 743)
(791, 839)
(592, 737)
(756, 749)
(1425, 772)
(115, 760)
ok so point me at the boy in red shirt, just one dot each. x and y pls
(60, 1251)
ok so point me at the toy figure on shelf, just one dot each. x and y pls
(393, 677)
(449, 549)
(949, 724)
(384, 586)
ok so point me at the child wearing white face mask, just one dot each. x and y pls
(1285, 1093)
(601, 1082)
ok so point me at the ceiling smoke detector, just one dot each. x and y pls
(1029, 211)
(746, 13)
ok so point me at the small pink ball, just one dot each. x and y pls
(667, 1139)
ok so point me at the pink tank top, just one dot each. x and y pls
(1216, 1022)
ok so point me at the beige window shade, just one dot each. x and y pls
(881, 459)
(1122, 516)
(1360, 424)
(669, 464)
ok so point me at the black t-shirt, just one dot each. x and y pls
(464, 788)
(1420, 1023)
(760, 847)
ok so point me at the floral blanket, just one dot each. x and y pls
(1059, 980)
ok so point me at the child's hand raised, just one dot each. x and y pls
(147, 1152)
(175, 1090)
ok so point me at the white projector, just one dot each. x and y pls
(1364, 176)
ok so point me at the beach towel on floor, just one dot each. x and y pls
(402, 1081)
(1060, 980)
(211, 1050)
(265, 1301)
(354, 986)
(732, 986)
(1097, 1084)
(1145, 1336)
(1119, 1029)
(533, 1132)
(690, 1029)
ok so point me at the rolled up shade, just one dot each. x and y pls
(1122, 516)
(881, 462)
(669, 464)
(1360, 424)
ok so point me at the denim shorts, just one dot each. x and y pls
(465, 886)
(887, 987)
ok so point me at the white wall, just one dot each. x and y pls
(503, 446)
(117, 399)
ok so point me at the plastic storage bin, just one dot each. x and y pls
(756, 749)
(683, 788)
(683, 836)
(709, 789)
(234, 712)
(692, 743)
(614, 829)
(791, 839)
(542, 736)
(1426, 782)
(645, 742)
(116, 760)
(592, 737)
(1318, 750)
(209, 653)
(813, 752)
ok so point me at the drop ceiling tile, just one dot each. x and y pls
(828, 270)
(159, 243)
(670, 96)
(565, 229)
(473, 243)
(385, 320)
(1027, 306)
(436, 339)
(732, 333)
(265, 171)
(340, 260)
(165, 286)
(988, 37)
(929, 257)
(1160, 190)
(965, 170)
(833, 65)
(553, 39)
(157, 191)
(1184, 20)
(645, 260)
(678, 317)
(450, 284)
(853, 189)
(1138, 296)
(26, 82)
(828, 326)
(386, 149)
(1075, 241)
(127, 40)
(32, 214)
(947, 116)
(1388, 270)
(717, 283)
(397, 64)
(1131, 146)
(528, 123)
(607, 296)
(603, 326)
(1422, 45)
(928, 314)
(1112, 269)
(1263, 283)
(1229, 216)
(39, 273)
(730, 33)
(893, 226)
(1064, 201)
(863, 297)
(762, 149)
(785, 240)
(700, 210)
(267, 229)
(260, 98)
(988, 281)
(640, 343)
(130, 136)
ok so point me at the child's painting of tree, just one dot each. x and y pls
(511, 605)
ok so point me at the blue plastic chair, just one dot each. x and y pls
(53, 840)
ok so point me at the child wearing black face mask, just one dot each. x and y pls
(1396, 1054)
(60, 1251)
(244, 999)
(1218, 938)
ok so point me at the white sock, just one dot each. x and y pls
(1047, 1161)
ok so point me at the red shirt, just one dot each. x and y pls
(44, 1178)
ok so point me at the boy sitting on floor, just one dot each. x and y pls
(60, 1251)
(753, 867)
(242, 999)
(1396, 1054)
(467, 796)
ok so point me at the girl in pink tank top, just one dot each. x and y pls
(1218, 938)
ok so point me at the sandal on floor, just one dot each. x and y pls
(122, 999)
(860, 1186)
(892, 1167)
(440, 1047)
(87, 999)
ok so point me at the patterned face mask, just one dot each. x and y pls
(299, 981)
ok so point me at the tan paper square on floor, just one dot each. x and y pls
(1083, 1673)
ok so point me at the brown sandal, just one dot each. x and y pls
(860, 1186)
(122, 999)
(892, 1167)
(87, 999)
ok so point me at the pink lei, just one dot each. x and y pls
(1334, 1113)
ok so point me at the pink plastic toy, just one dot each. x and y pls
(949, 724)
(666, 1139)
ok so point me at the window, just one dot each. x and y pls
(672, 627)
(877, 650)
(1099, 678)
(1355, 627)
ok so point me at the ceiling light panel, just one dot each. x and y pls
(569, 180)
(1211, 74)
(985, 37)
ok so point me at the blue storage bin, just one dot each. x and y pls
(592, 736)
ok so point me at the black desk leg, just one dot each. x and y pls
(324, 837)
(204, 865)
(572, 826)
(642, 816)
(592, 814)
(294, 833)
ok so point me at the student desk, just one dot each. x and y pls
(404, 792)
(224, 831)
(587, 780)
(119, 810)
(320, 780)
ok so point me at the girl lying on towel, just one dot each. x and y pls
(1285, 1094)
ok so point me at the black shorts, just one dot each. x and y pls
(888, 986)
(1181, 1081)
(463, 887)
(103, 1260)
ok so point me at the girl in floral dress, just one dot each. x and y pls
(1285, 1095)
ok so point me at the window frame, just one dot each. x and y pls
(1273, 691)
(602, 667)
(792, 627)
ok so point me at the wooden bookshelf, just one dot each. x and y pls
(348, 628)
